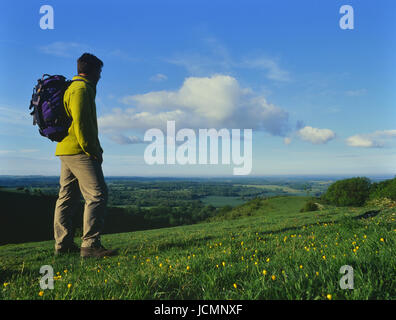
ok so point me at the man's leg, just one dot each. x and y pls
(91, 181)
(66, 204)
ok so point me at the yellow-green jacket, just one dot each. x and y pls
(79, 102)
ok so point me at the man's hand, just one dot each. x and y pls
(98, 158)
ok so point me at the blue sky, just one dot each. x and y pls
(320, 100)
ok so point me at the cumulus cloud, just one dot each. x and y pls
(201, 102)
(376, 139)
(316, 135)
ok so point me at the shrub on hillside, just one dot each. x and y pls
(310, 206)
(348, 192)
(384, 189)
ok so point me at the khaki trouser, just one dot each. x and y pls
(80, 173)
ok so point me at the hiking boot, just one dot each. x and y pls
(96, 252)
(73, 248)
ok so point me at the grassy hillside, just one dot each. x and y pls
(275, 206)
(275, 253)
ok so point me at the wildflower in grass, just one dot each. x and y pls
(160, 265)
(329, 296)
(273, 277)
(364, 236)
(235, 285)
(65, 271)
(41, 293)
(5, 284)
(223, 263)
(105, 281)
(268, 260)
(324, 257)
(69, 285)
(317, 273)
(382, 240)
(301, 266)
(265, 272)
(188, 268)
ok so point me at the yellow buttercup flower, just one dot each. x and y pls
(235, 285)
(69, 285)
(329, 296)
(264, 272)
(273, 277)
(41, 293)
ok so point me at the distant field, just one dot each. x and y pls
(276, 253)
(220, 201)
(275, 188)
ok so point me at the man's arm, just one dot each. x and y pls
(80, 107)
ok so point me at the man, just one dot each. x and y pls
(81, 166)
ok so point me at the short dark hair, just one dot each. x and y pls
(88, 64)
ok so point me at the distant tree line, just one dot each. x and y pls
(28, 216)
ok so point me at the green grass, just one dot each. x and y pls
(230, 259)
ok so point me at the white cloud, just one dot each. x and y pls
(201, 102)
(315, 135)
(361, 141)
(376, 139)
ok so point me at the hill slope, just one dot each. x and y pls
(278, 255)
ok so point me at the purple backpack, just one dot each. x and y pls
(48, 109)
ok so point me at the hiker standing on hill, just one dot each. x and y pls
(81, 166)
